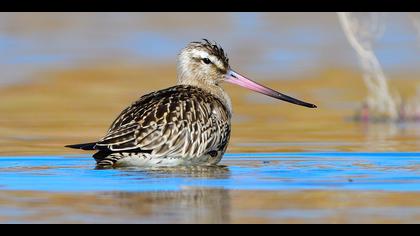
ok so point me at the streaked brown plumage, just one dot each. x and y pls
(187, 124)
(178, 122)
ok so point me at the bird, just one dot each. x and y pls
(188, 124)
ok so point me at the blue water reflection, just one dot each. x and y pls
(265, 171)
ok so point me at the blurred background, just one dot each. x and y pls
(265, 45)
(66, 76)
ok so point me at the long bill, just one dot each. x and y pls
(235, 78)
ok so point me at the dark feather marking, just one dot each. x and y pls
(216, 50)
(83, 146)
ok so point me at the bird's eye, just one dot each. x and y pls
(206, 60)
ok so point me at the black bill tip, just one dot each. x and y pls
(312, 106)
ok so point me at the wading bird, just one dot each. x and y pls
(187, 124)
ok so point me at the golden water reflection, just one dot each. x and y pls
(78, 105)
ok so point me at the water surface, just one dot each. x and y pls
(264, 187)
(246, 171)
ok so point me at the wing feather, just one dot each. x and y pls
(172, 122)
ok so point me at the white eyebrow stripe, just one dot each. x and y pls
(199, 53)
(203, 54)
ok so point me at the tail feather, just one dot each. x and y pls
(83, 146)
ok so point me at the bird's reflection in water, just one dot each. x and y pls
(188, 205)
(214, 172)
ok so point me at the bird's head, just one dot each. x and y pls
(206, 64)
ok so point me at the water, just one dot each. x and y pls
(241, 171)
(265, 187)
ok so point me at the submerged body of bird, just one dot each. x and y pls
(187, 124)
